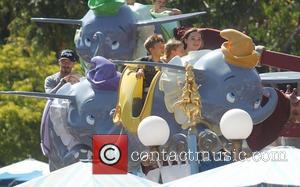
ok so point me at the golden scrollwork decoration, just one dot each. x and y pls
(190, 100)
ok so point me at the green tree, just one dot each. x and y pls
(274, 24)
(27, 56)
(15, 22)
(21, 68)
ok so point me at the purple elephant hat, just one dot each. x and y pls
(103, 74)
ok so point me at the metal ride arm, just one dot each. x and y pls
(124, 62)
(169, 18)
(280, 60)
(38, 95)
(57, 20)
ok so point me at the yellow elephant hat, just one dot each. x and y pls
(239, 49)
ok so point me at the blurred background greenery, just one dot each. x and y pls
(28, 51)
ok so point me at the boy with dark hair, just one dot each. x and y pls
(155, 48)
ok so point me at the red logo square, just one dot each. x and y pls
(110, 154)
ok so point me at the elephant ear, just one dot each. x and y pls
(180, 74)
(172, 82)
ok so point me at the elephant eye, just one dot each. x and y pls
(87, 42)
(257, 104)
(115, 45)
(230, 97)
(90, 119)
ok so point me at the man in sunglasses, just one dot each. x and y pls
(66, 60)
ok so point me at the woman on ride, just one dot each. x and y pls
(193, 43)
(192, 40)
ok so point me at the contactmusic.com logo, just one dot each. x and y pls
(110, 154)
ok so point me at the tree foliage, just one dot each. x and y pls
(27, 51)
(16, 21)
(21, 68)
(274, 24)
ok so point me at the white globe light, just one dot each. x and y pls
(153, 130)
(236, 124)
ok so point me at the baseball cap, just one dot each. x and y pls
(68, 54)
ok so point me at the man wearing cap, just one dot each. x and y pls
(66, 60)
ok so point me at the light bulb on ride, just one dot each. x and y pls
(153, 131)
(236, 124)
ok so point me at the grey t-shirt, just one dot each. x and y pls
(51, 82)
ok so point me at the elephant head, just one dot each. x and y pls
(231, 81)
(95, 97)
(113, 36)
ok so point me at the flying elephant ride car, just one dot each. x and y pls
(191, 93)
